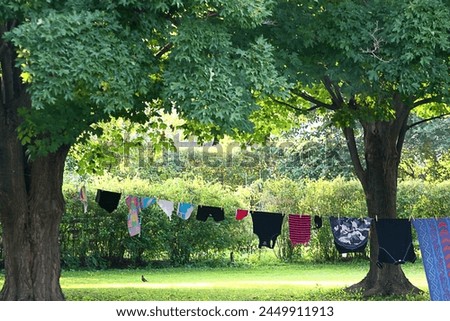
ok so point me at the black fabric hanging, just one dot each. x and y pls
(267, 226)
(394, 241)
(108, 200)
(203, 212)
(317, 221)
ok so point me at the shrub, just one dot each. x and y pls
(98, 239)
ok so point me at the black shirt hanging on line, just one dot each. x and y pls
(394, 241)
(107, 200)
(203, 212)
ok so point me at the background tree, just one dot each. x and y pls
(372, 64)
(426, 153)
(66, 65)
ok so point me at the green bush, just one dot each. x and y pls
(98, 239)
(433, 201)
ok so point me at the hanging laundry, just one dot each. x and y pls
(139, 203)
(350, 234)
(83, 198)
(267, 226)
(317, 221)
(394, 241)
(203, 212)
(132, 202)
(107, 200)
(135, 205)
(167, 207)
(147, 201)
(434, 243)
(299, 229)
(241, 214)
(133, 221)
(184, 210)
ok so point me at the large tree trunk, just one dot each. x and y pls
(31, 200)
(382, 144)
(30, 219)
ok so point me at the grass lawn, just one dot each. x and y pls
(274, 282)
(281, 282)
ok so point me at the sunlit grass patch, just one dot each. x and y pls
(281, 282)
(277, 282)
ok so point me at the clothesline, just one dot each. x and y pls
(350, 234)
(111, 201)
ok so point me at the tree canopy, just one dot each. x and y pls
(365, 51)
(85, 61)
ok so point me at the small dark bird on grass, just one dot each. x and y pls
(143, 279)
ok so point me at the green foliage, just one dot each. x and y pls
(363, 53)
(70, 61)
(212, 82)
(314, 150)
(426, 153)
(74, 58)
(84, 61)
(99, 239)
(433, 202)
(112, 147)
(104, 237)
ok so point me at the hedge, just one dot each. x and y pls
(99, 239)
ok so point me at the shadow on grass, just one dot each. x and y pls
(218, 294)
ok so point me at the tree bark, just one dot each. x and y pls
(382, 145)
(30, 220)
(31, 200)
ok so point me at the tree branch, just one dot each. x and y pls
(313, 100)
(427, 120)
(401, 139)
(164, 50)
(353, 149)
(334, 92)
(376, 45)
(3, 47)
(294, 107)
(423, 102)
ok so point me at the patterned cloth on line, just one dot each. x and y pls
(434, 243)
(185, 210)
(135, 205)
(350, 234)
(83, 198)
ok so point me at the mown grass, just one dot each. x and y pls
(274, 282)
